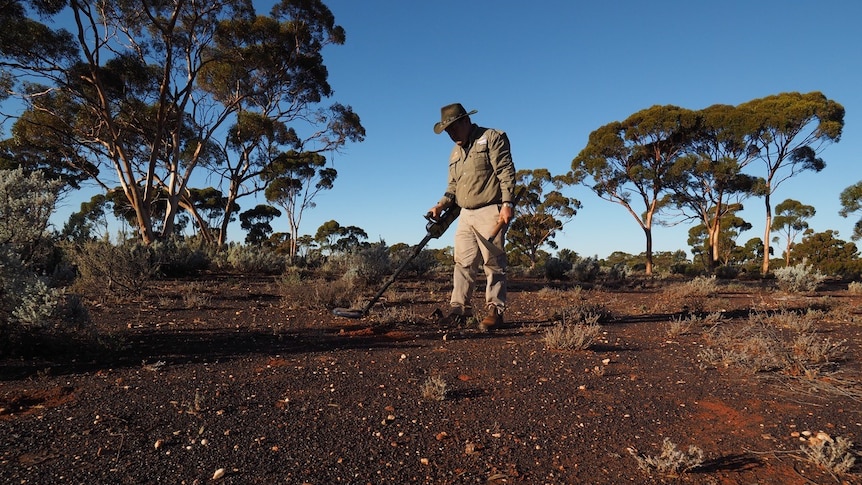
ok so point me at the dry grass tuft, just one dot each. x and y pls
(671, 461)
(563, 336)
(833, 455)
(434, 388)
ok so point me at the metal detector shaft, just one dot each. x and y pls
(416, 250)
(434, 229)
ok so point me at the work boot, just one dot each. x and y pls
(456, 317)
(493, 319)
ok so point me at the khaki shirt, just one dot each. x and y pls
(483, 174)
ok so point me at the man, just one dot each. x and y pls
(482, 183)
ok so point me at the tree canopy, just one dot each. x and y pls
(700, 162)
(139, 97)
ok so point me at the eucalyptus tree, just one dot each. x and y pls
(709, 182)
(829, 254)
(150, 92)
(335, 238)
(293, 181)
(851, 201)
(257, 222)
(719, 247)
(791, 220)
(630, 162)
(542, 212)
(788, 131)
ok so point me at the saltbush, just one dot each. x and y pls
(617, 272)
(181, 256)
(799, 278)
(585, 269)
(371, 264)
(250, 259)
(28, 305)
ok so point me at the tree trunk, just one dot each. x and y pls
(142, 212)
(764, 268)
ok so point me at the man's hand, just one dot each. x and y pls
(436, 211)
(507, 212)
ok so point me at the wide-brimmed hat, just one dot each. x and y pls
(450, 114)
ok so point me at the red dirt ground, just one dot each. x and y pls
(256, 387)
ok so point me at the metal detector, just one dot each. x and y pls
(435, 228)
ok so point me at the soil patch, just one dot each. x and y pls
(255, 387)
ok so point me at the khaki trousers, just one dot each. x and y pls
(471, 249)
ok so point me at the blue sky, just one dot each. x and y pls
(549, 73)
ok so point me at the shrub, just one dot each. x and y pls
(25, 299)
(582, 311)
(26, 204)
(339, 293)
(556, 269)
(251, 259)
(181, 257)
(29, 307)
(420, 265)
(370, 264)
(799, 278)
(618, 272)
(125, 268)
(726, 272)
(585, 269)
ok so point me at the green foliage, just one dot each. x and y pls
(668, 157)
(89, 222)
(541, 213)
(828, 254)
(27, 303)
(790, 220)
(443, 256)
(257, 222)
(26, 203)
(787, 130)
(851, 201)
(257, 76)
(617, 272)
(293, 181)
(335, 238)
(421, 264)
(633, 161)
(720, 248)
(182, 256)
(370, 264)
